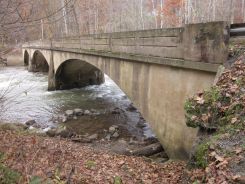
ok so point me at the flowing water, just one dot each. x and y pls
(26, 98)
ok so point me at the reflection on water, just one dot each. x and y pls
(26, 97)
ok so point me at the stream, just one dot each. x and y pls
(26, 98)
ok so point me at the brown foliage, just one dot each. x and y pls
(52, 158)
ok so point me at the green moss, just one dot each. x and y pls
(239, 81)
(193, 109)
(90, 164)
(196, 182)
(212, 95)
(1, 156)
(190, 112)
(227, 153)
(219, 112)
(8, 175)
(190, 107)
(236, 108)
(243, 146)
(117, 180)
(13, 127)
(201, 155)
(232, 129)
(216, 136)
(35, 180)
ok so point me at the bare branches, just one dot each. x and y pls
(18, 17)
(21, 19)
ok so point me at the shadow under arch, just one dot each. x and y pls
(39, 62)
(26, 58)
(75, 73)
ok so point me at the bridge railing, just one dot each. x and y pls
(160, 43)
(38, 43)
(206, 43)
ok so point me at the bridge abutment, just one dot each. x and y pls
(51, 77)
(26, 58)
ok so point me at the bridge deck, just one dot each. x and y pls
(209, 67)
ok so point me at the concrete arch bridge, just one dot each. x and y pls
(157, 69)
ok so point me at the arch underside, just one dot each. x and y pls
(39, 63)
(26, 58)
(76, 73)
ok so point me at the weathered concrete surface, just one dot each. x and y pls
(206, 42)
(156, 84)
(200, 43)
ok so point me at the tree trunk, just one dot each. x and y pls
(141, 14)
(155, 13)
(64, 14)
(161, 13)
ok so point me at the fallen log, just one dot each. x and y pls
(162, 154)
(81, 139)
(148, 150)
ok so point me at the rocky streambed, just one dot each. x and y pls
(104, 130)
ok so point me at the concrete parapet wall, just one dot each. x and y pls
(205, 43)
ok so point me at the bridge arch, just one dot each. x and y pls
(26, 58)
(39, 63)
(75, 73)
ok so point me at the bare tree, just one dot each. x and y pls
(23, 20)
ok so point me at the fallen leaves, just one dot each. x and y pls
(61, 160)
(220, 114)
(222, 164)
(220, 161)
(199, 99)
(205, 117)
(233, 120)
(238, 150)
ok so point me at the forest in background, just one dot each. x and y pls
(26, 20)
